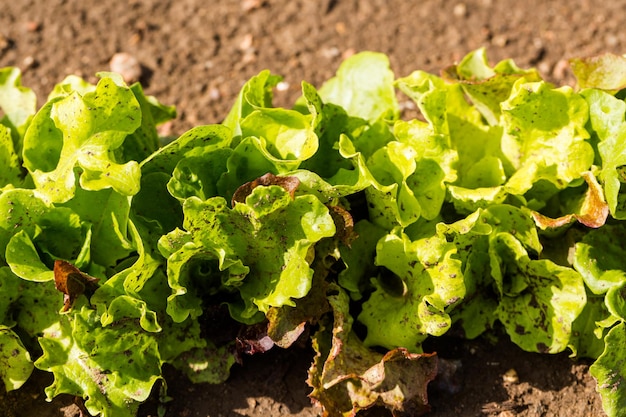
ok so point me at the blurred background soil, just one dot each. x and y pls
(196, 54)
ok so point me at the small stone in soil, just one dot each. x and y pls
(510, 376)
(126, 65)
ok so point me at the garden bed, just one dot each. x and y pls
(197, 58)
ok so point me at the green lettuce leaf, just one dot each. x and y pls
(540, 300)
(107, 213)
(587, 340)
(330, 122)
(85, 360)
(606, 115)
(18, 104)
(363, 86)
(476, 313)
(488, 87)
(358, 259)
(11, 171)
(256, 93)
(83, 131)
(470, 149)
(604, 72)
(544, 140)
(610, 371)
(598, 257)
(258, 248)
(15, 363)
(37, 231)
(418, 283)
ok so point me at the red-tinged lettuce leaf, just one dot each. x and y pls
(72, 282)
(610, 372)
(606, 116)
(290, 184)
(347, 377)
(286, 324)
(603, 72)
(593, 210)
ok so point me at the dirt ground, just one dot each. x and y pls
(195, 54)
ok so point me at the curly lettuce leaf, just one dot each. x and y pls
(180, 170)
(472, 237)
(256, 93)
(288, 133)
(113, 367)
(347, 377)
(471, 154)
(258, 248)
(540, 299)
(11, 171)
(107, 212)
(606, 115)
(418, 283)
(488, 87)
(330, 122)
(544, 140)
(15, 362)
(599, 258)
(475, 314)
(83, 131)
(18, 104)
(610, 371)
(603, 72)
(35, 230)
(363, 86)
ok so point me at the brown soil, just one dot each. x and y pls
(195, 54)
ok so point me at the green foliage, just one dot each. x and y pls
(502, 205)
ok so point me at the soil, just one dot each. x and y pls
(195, 54)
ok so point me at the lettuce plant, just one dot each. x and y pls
(500, 205)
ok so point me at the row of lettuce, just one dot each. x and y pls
(501, 203)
